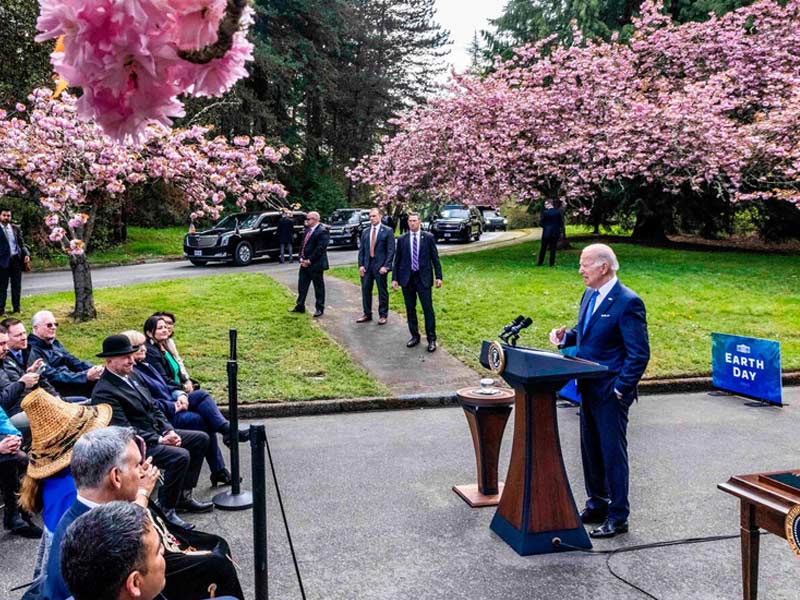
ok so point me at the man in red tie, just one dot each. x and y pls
(313, 263)
(375, 257)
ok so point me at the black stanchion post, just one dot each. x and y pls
(236, 499)
(258, 438)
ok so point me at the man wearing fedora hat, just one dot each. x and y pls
(179, 454)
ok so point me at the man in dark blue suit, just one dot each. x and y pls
(375, 256)
(14, 256)
(313, 264)
(415, 261)
(552, 223)
(612, 331)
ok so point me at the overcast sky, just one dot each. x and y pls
(463, 18)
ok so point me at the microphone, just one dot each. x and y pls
(520, 326)
(513, 324)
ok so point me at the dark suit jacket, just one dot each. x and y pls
(131, 407)
(15, 369)
(616, 337)
(62, 366)
(316, 249)
(552, 223)
(285, 230)
(155, 358)
(428, 260)
(159, 389)
(5, 248)
(54, 586)
(384, 248)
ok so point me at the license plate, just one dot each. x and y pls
(198, 253)
(446, 235)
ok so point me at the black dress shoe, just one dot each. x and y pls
(188, 504)
(412, 342)
(432, 346)
(297, 309)
(171, 516)
(16, 525)
(364, 319)
(318, 314)
(593, 516)
(220, 477)
(609, 529)
(244, 436)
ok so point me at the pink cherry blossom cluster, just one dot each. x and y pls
(709, 106)
(129, 58)
(68, 165)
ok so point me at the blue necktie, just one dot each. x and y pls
(414, 253)
(589, 311)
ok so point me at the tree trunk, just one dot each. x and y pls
(84, 293)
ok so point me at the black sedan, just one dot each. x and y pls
(240, 238)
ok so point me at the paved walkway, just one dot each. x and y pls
(372, 515)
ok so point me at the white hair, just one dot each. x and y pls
(40, 316)
(603, 254)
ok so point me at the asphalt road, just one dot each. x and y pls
(61, 281)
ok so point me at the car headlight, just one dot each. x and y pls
(223, 241)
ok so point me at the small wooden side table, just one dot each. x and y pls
(487, 416)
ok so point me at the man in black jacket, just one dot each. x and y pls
(313, 263)
(13, 258)
(285, 235)
(13, 389)
(178, 453)
(416, 259)
(70, 375)
(375, 256)
(552, 223)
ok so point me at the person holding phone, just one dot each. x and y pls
(13, 462)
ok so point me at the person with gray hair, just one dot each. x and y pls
(313, 264)
(68, 374)
(107, 465)
(612, 331)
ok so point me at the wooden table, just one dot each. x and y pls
(764, 504)
(486, 416)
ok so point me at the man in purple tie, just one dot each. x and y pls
(313, 263)
(416, 260)
(611, 330)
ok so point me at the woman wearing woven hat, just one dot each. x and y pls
(55, 427)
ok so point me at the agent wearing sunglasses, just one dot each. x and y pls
(70, 375)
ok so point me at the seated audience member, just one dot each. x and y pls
(12, 390)
(179, 453)
(169, 320)
(48, 487)
(113, 553)
(196, 410)
(67, 373)
(107, 466)
(12, 465)
(159, 357)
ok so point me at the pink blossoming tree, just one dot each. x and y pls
(133, 58)
(68, 166)
(691, 111)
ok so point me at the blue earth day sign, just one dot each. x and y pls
(747, 366)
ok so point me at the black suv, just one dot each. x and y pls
(346, 225)
(492, 219)
(456, 222)
(240, 238)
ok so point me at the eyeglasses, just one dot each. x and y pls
(51, 325)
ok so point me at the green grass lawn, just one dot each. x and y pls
(688, 295)
(143, 244)
(282, 355)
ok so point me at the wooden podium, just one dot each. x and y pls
(765, 502)
(537, 505)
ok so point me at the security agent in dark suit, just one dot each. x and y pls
(612, 331)
(375, 258)
(13, 258)
(285, 235)
(313, 263)
(415, 261)
(178, 453)
(552, 223)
